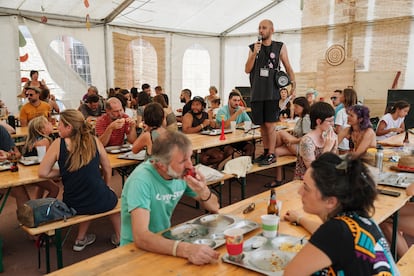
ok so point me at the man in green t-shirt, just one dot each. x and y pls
(234, 112)
(152, 192)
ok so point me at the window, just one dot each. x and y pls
(196, 70)
(75, 55)
(144, 64)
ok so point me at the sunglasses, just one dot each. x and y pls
(334, 98)
(30, 94)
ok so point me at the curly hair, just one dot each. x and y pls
(346, 179)
(362, 112)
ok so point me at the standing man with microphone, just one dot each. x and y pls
(262, 64)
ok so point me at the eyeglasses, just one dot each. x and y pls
(334, 98)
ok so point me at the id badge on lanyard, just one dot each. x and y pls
(264, 72)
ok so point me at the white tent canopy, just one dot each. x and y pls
(213, 17)
(223, 28)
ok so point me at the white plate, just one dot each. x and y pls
(288, 243)
(269, 260)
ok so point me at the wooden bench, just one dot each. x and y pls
(406, 264)
(54, 229)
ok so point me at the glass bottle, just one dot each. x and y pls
(406, 138)
(272, 208)
(379, 157)
(13, 160)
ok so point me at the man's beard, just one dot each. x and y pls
(173, 174)
(196, 112)
(182, 100)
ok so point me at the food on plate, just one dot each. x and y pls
(290, 247)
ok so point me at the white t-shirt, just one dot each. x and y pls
(342, 120)
(390, 123)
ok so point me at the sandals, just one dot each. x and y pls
(273, 184)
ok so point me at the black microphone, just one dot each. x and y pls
(259, 39)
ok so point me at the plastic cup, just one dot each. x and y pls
(41, 151)
(233, 126)
(234, 243)
(270, 225)
(247, 125)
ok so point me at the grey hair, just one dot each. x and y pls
(163, 146)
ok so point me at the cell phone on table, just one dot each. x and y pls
(388, 192)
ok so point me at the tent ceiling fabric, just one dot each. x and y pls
(211, 17)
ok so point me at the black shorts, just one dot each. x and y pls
(265, 111)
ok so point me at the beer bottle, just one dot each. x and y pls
(406, 139)
(272, 208)
(13, 160)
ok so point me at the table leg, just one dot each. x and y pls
(3, 201)
(58, 243)
(394, 235)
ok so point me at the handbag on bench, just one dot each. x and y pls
(39, 211)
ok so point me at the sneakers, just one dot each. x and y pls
(269, 159)
(80, 245)
(114, 240)
(260, 158)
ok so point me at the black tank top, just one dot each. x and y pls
(197, 121)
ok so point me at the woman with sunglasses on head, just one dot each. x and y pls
(348, 242)
(360, 134)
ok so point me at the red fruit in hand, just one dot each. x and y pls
(191, 172)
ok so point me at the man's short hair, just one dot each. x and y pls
(158, 88)
(145, 86)
(234, 94)
(111, 100)
(35, 89)
(92, 99)
(163, 149)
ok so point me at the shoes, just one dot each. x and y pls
(269, 159)
(114, 240)
(273, 184)
(260, 158)
(80, 245)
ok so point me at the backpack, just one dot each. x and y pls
(39, 211)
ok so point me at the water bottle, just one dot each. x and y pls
(379, 157)
(11, 120)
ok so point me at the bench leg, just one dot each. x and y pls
(47, 252)
(58, 242)
(1, 254)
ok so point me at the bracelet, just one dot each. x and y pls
(202, 126)
(175, 246)
(207, 199)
